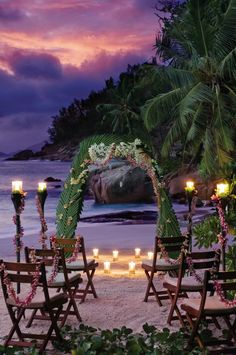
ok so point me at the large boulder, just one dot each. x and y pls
(177, 184)
(121, 183)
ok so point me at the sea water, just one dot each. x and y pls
(32, 172)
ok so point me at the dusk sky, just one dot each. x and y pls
(53, 51)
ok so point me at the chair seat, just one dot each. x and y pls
(188, 283)
(161, 265)
(59, 280)
(55, 301)
(78, 264)
(212, 306)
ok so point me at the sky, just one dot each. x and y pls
(52, 51)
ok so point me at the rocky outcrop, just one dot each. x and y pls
(51, 179)
(23, 155)
(121, 184)
(177, 184)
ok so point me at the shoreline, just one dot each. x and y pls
(123, 235)
(104, 236)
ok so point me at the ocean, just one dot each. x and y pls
(32, 172)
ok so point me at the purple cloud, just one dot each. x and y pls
(28, 105)
(54, 51)
(10, 14)
(33, 65)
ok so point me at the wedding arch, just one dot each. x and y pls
(100, 150)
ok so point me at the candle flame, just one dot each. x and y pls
(17, 186)
(222, 189)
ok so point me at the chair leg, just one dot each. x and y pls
(71, 293)
(194, 334)
(175, 308)
(71, 303)
(217, 324)
(89, 285)
(31, 318)
(151, 286)
(231, 328)
(15, 327)
(53, 326)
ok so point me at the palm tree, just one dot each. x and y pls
(200, 105)
(121, 112)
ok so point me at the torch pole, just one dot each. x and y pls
(40, 202)
(18, 202)
(190, 199)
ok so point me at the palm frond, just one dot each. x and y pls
(179, 77)
(227, 67)
(161, 105)
(226, 36)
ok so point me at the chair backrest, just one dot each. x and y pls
(69, 245)
(38, 255)
(23, 273)
(54, 258)
(190, 262)
(170, 244)
(205, 260)
(226, 281)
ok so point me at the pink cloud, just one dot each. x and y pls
(54, 51)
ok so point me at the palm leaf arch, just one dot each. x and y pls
(71, 199)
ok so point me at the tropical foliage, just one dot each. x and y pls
(90, 341)
(199, 43)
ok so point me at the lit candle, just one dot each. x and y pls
(96, 253)
(222, 189)
(189, 186)
(132, 267)
(150, 255)
(42, 186)
(17, 186)
(115, 254)
(137, 252)
(107, 267)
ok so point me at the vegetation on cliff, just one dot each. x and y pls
(186, 106)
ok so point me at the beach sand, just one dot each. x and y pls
(120, 295)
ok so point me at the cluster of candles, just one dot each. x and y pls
(115, 255)
(17, 186)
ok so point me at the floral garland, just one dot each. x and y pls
(216, 284)
(101, 154)
(192, 270)
(44, 227)
(220, 294)
(54, 271)
(76, 250)
(11, 292)
(17, 242)
(224, 226)
(165, 254)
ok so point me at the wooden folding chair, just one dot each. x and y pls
(189, 279)
(57, 278)
(34, 274)
(200, 309)
(151, 267)
(81, 263)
